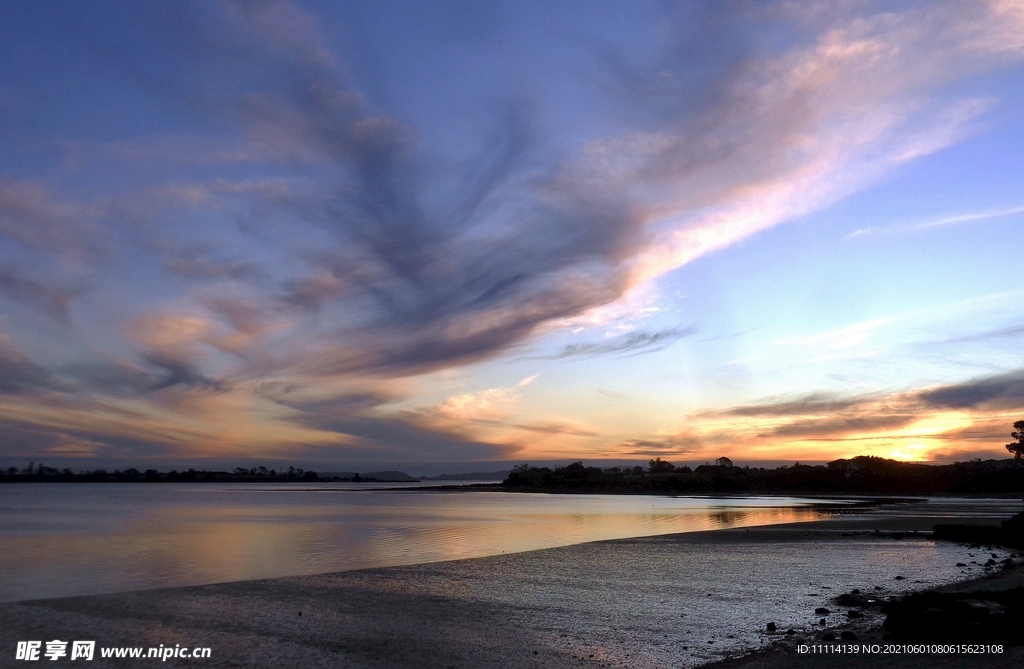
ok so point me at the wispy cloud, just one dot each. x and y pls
(959, 219)
(941, 222)
(633, 343)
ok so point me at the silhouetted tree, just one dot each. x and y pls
(659, 466)
(1017, 446)
(723, 462)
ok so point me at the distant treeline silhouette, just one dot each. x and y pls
(862, 474)
(42, 473)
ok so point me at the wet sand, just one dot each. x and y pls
(626, 603)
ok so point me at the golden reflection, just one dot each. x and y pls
(728, 518)
(306, 535)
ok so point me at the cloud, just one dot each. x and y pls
(1004, 390)
(178, 372)
(49, 300)
(814, 403)
(350, 249)
(940, 222)
(346, 403)
(959, 219)
(32, 217)
(424, 283)
(19, 374)
(633, 343)
(681, 444)
(404, 437)
(192, 265)
(313, 291)
(999, 333)
(69, 446)
(841, 426)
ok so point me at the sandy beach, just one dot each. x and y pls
(625, 603)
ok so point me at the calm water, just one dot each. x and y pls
(73, 539)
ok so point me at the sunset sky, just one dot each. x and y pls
(447, 235)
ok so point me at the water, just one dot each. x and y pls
(73, 539)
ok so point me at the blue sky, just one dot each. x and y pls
(451, 234)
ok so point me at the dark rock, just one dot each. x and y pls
(899, 578)
(822, 611)
(848, 635)
(828, 636)
(821, 622)
(790, 631)
(961, 564)
(854, 614)
(969, 617)
(770, 627)
(990, 562)
(855, 591)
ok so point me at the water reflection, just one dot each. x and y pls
(70, 539)
(728, 518)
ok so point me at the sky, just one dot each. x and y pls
(450, 235)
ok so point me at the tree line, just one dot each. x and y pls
(862, 474)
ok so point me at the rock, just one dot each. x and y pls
(828, 636)
(961, 564)
(770, 627)
(977, 617)
(822, 622)
(822, 611)
(854, 614)
(990, 562)
(899, 578)
(790, 631)
(848, 635)
(855, 591)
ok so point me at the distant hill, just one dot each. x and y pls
(389, 477)
(369, 477)
(471, 476)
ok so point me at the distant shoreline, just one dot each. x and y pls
(862, 475)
